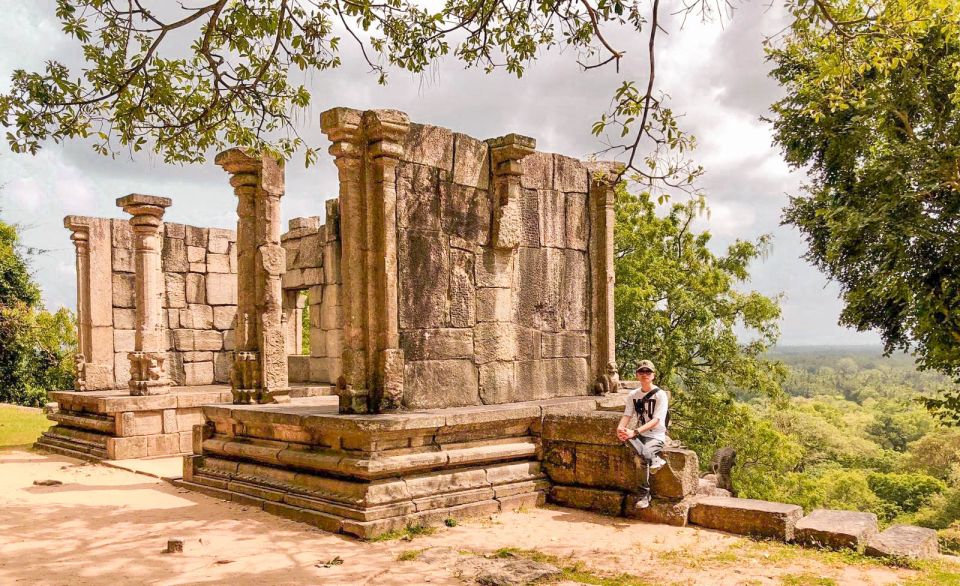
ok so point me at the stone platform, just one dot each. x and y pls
(369, 474)
(113, 425)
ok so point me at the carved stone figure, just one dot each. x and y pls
(723, 462)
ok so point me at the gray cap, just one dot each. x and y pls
(646, 364)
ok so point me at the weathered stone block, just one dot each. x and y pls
(537, 171)
(221, 289)
(219, 240)
(229, 340)
(197, 316)
(197, 267)
(124, 290)
(196, 288)
(196, 254)
(578, 221)
(494, 341)
(494, 304)
(208, 340)
(746, 517)
(471, 164)
(553, 377)
(198, 373)
(540, 282)
(312, 276)
(569, 174)
(121, 369)
(292, 279)
(575, 296)
(530, 218)
(222, 366)
(679, 478)
(123, 260)
(298, 367)
(437, 344)
(528, 343)
(607, 502)
(553, 218)
(196, 236)
(184, 339)
(174, 230)
(466, 213)
(139, 423)
(223, 316)
(196, 356)
(440, 383)
(310, 253)
(495, 268)
(662, 511)
(322, 369)
(124, 340)
(904, 541)
(174, 256)
(170, 421)
(124, 319)
(463, 304)
(424, 267)
(498, 383)
(172, 318)
(564, 344)
(419, 197)
(218, 263)
(836, 529)
(176, 290)
(429, 145)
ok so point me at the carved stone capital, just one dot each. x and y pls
(342, 127)
(507, 151)
(148, 375)
(386, 131)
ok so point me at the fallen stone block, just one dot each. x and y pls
(836, 529)
(663, 511)
(904, 541)
(746, 517)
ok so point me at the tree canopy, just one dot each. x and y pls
(873, 112)
(36, 346)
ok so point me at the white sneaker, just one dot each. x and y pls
(657, 463)
(643, 502)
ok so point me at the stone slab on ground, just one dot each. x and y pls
(904, 541)
(661, 511)
(836, 529)
(747, 517)
(606, 502)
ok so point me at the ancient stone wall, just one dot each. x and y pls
(313, 266)
(199, 266)
(476, 272)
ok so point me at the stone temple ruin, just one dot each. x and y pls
(461, 344)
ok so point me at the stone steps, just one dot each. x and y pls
(68, 445)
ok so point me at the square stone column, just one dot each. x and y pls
(367, 148)
(603, 359)
(148, 373)
(260, 365)
(506, 152)
(94, 359)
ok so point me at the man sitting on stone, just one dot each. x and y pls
(649, 404)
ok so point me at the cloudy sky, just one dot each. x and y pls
(714, 73)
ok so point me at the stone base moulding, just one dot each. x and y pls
(115, 425)
(366, 475)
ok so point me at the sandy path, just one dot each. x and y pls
(109, 526)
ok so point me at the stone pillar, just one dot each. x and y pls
(367, 148)
(506, 152)
(260, 364)
(603, 359)
(148, 374)
(94, 359)
(386, 131)
(342, 127)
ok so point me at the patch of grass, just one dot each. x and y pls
(450, 522)
(408, 555)
(935, 573)
(408, 533)
(806, 579)
(574, 571)
(21, 426)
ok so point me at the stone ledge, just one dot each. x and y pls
(746, 517)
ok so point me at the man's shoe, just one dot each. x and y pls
(657, 463)
(643, 502)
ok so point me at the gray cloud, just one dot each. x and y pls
(715, 75)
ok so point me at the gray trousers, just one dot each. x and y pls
(647, 448)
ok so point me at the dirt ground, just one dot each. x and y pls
(109, 526)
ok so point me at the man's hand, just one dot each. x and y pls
(623, 434)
